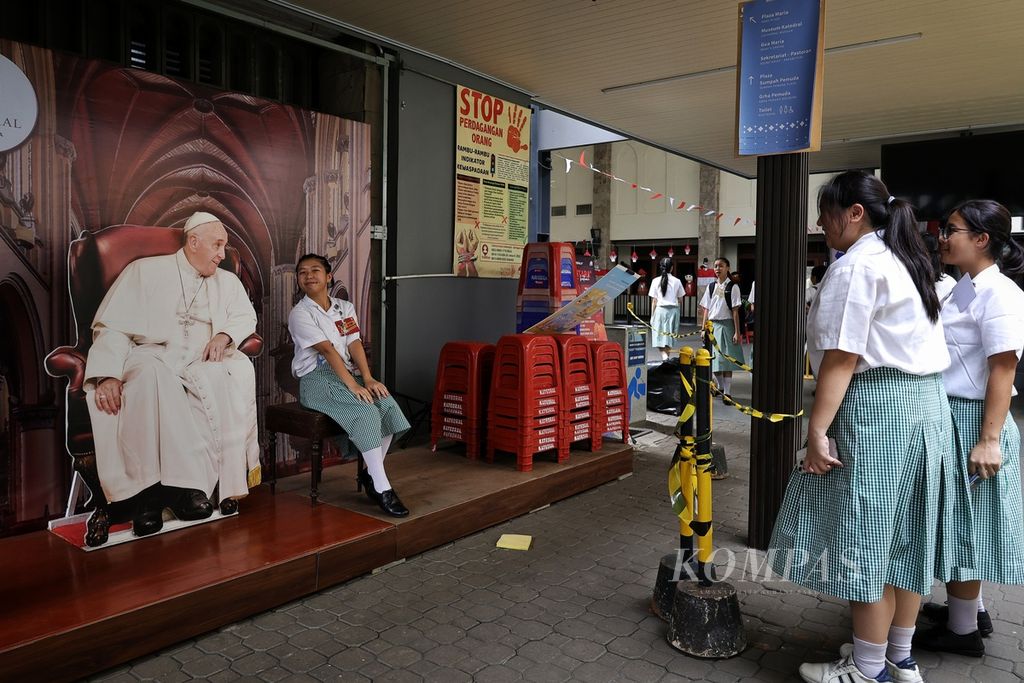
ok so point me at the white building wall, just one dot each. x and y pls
(571, 190)
(637, 217)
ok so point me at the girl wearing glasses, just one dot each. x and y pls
(858, 520)
(983, 320)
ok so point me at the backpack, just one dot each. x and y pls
(728, 293)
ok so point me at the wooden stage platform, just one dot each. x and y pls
(68, 613)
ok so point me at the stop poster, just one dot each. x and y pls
(492, 185)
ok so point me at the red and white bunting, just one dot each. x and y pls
(681, 206)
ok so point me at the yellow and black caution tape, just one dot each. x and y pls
(714, 342)
(684, 416)
(629, 307)
(680, 470)
(753, 412)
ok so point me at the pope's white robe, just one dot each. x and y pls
(183, 422)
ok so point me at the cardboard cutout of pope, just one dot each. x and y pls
(172, 399)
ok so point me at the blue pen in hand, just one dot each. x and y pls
(973, 480)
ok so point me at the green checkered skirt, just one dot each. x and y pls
(365, 423)
(991, 510)
(723, 331)
(872, 522)
(664, 323)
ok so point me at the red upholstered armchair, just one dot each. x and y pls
(94, 262)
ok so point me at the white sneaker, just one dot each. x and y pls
(841, 671)
(906, 671)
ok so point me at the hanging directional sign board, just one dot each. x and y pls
(779, 79)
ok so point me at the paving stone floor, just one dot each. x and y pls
(573, 607)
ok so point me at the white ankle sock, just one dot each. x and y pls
(981, 603)
(899, 643)
(963, 616)
(374, 459)
(869, 657)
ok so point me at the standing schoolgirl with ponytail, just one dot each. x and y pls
(858, 520)
(984, 327)
(667, 292)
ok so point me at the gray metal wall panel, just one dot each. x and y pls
(429, 312)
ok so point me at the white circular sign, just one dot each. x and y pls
(18, 106)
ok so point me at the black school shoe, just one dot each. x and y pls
(939, 614)
(388, 500)
(941, 639)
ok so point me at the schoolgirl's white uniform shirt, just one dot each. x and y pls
(867, 304)
(992, 323)
(673, 293)
(714, 301)
(944, 285)
(309, 324)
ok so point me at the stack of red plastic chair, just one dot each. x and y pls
(523, 416)
(578, 423)
(611, 400)
(460, 394)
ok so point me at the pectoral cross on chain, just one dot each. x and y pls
(186, 320)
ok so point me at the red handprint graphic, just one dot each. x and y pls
(516, 121)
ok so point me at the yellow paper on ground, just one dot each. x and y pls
(515, 541)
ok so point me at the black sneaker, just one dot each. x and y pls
(940, 639)
(939, 614)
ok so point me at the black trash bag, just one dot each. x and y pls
(664, 389)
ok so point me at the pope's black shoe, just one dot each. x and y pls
(940, 615)
(941, 639)
(147, 520)
(392, 504)
(148, 514)
(190, 504)
(228, 506)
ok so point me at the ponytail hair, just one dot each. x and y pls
(664, 270)
(894, 217)
(986, 217)
(931, 245)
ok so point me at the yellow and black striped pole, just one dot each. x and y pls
(682, 473)
(701, 524)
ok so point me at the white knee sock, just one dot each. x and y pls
(963, 616)
(385, 443)
(899, 643)
(981, 603)
(726, 384)
(374, 459)
(869, 657)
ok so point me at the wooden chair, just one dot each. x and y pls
(295, 420)
(94, 262)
